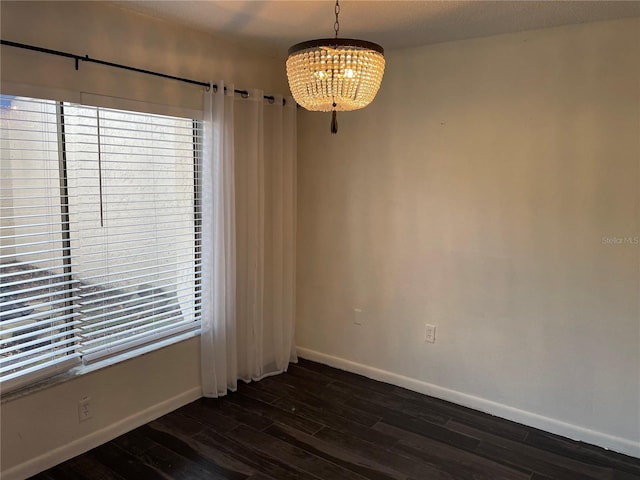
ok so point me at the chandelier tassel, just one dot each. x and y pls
(334, 121)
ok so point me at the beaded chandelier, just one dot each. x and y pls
(335, 74)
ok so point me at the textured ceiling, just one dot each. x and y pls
(393, 24)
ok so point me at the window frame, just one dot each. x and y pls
(77, 364)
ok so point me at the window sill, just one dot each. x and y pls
(99, 365)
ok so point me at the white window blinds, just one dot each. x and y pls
(38, 324)
(127, 229)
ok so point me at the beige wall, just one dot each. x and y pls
(42, 428)
(474, 194)
(113, 34)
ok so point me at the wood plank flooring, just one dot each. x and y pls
(316, 422)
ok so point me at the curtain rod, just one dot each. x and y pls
(86, 58)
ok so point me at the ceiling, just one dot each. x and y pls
(393, 24)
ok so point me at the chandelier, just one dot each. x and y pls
(335, 74)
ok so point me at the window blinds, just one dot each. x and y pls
(38, 323)
(131, 184)
(125, 229)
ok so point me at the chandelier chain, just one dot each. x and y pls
(336, 25)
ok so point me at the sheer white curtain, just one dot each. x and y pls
(248, 238)
(218, 330)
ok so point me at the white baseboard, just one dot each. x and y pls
(98, 437)
(575, 432)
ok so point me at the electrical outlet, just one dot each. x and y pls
(358, 316)
(84, 409)
(430, 333)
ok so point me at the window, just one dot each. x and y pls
(100, 234)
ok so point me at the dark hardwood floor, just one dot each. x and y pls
(316, 422)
